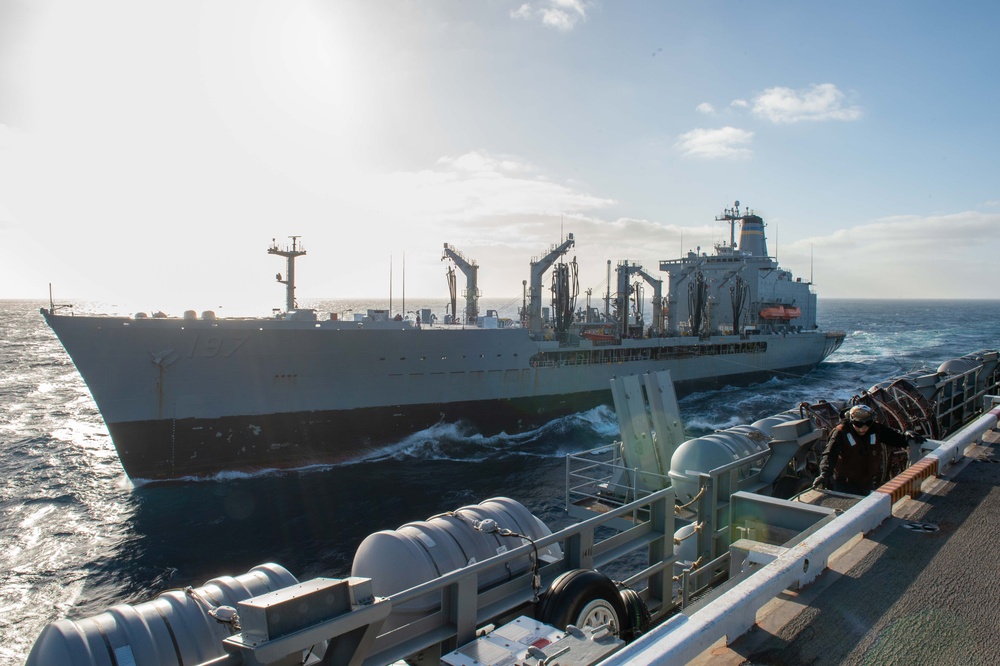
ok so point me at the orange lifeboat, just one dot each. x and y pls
(599, 336)
(780, 312)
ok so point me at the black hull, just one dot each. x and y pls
(172, 449)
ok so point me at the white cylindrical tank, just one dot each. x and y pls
(397, 560)
(687, 550)
(703, 454)
(766, 425)
(957, 366)
(173, 628)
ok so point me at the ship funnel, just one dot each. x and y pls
(752, 240)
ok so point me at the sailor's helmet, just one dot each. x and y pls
(861, 414)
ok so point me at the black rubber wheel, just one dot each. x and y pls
(583, 598)
(636, 620)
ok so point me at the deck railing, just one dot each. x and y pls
(463, 609)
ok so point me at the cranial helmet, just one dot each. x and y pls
(861, 414)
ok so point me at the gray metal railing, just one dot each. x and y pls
(464, 608)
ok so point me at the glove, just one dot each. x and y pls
(915, 436)
(820, 483)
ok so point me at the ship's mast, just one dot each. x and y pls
(731, 216)
(289, 253)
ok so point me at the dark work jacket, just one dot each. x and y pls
(855, 461)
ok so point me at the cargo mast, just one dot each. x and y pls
(471, 270)
(289, 253)
(538, 268)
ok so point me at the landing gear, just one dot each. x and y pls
(583, 598)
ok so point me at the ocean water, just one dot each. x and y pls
(76, 536)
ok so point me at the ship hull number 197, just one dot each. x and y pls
(212, 346)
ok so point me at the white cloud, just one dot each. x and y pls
(6, 219)
(890, 234)
(725, 142)
(818, 102)
(901, 248)
(522, 12)
(479, 161)
(9, 136)
(705, 108)
(473, 186)
(559, 14)
(739, 104)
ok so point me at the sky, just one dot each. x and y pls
(151, 151)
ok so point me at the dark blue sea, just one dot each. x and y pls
(76, 536)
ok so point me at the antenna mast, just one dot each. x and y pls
(731, 216)
(289, 253)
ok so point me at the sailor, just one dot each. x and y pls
(852, 461)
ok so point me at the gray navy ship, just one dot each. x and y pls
(197, 395)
